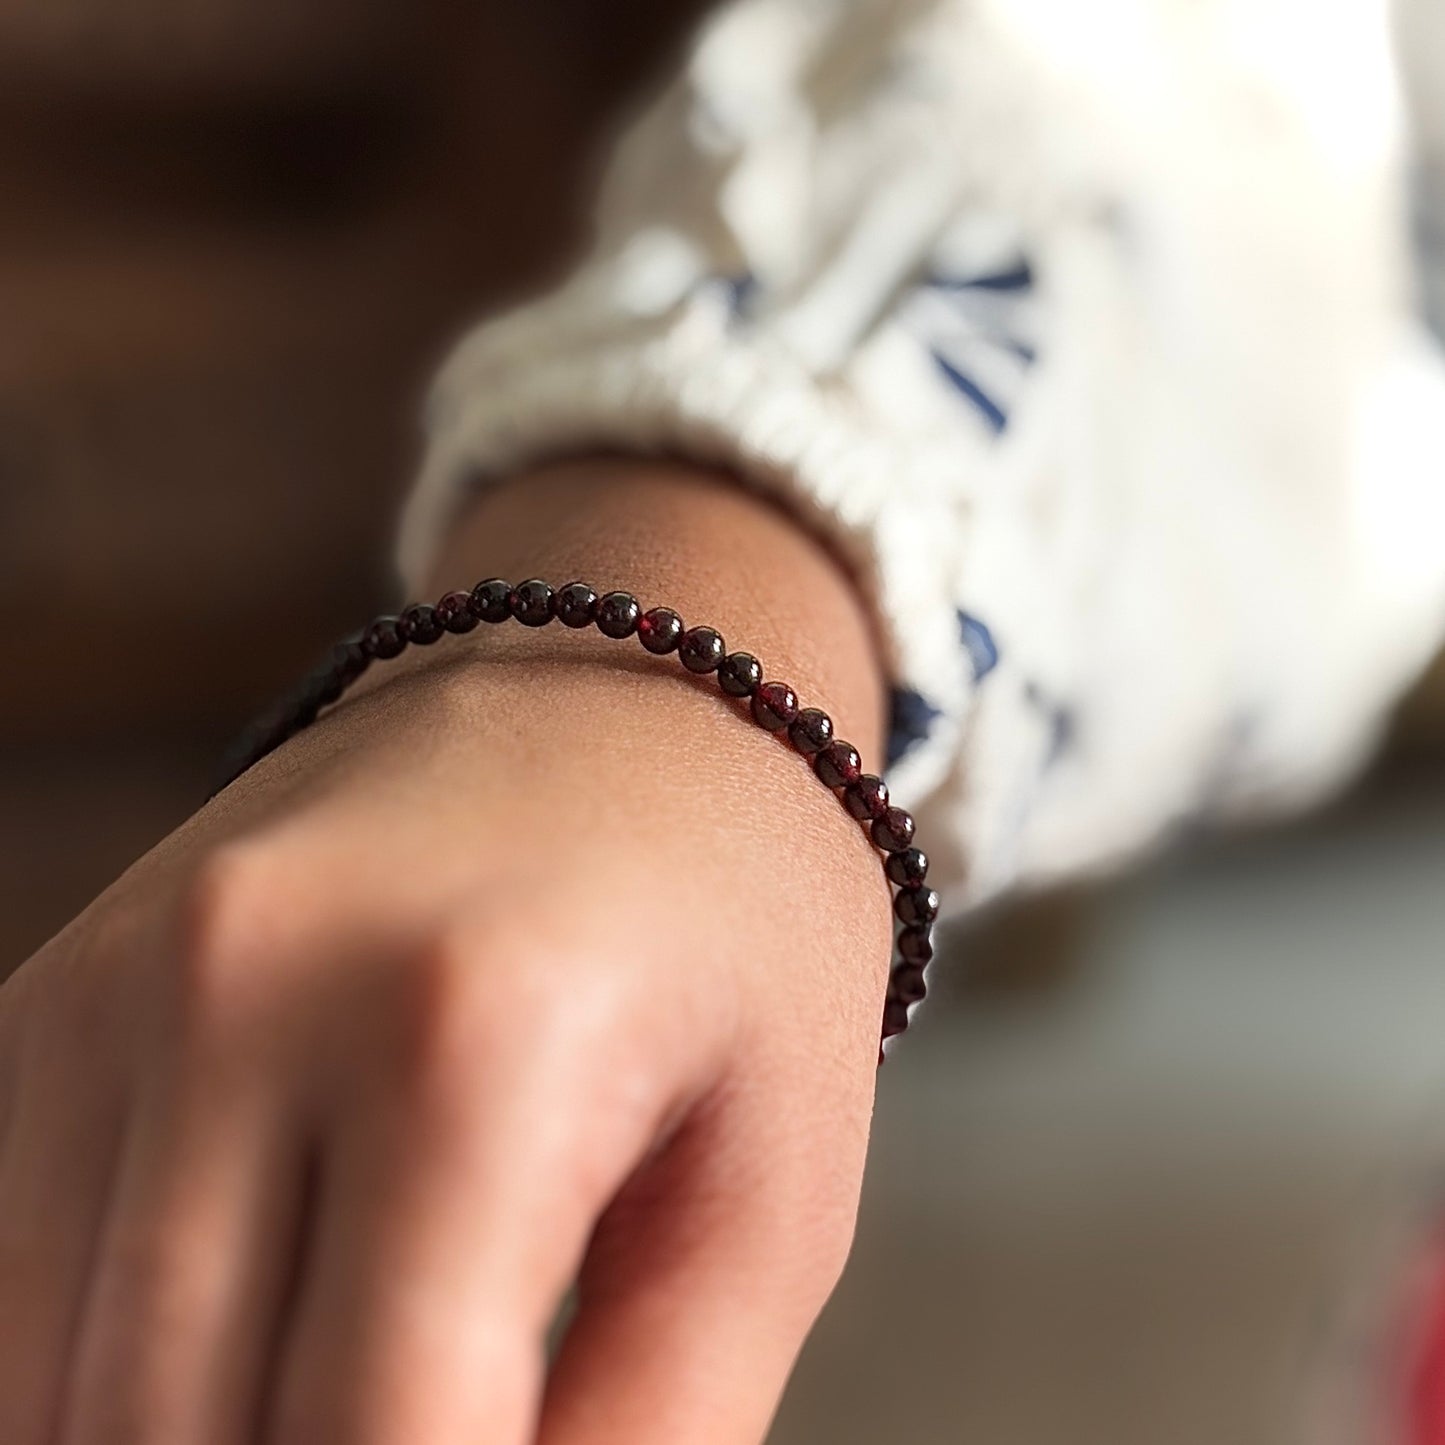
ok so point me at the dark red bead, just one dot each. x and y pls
(895, 1018)
(740, 674)
(617, 614)
(308, 700)
(454, 612)
(382, 639)
(349, 660)
(907, 984)
(838, 764)
(893, 830)
(575, 605)
(420, 624)
(866, 797)
(909, 866)
(329, 686)
(531, 603)
(491, 601)
(811, 731)
(701, 649)
(775, 705)
(916, 906)
(302, 715)
(915, 945)
(659, 630)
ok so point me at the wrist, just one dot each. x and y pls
(678, 536)
(557, 730)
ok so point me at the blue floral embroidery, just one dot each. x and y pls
(1061, 719)
(978, 642)
(991, 411)
(1063, 727)
(1018, 277)
(976, 327)
(740, 292)
(911, 716)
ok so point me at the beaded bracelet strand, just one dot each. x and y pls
(773, 706)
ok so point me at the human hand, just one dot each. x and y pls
(530, 963)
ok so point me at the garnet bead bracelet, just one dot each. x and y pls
(774, 706)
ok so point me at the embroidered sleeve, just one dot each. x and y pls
(1083, 335)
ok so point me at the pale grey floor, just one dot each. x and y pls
(1133, 1211)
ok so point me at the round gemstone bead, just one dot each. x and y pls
(838, 764)
(302, 715)
(895, 1018)
(915, 945)
(866, 797)
(907, 985)
(701, 649)
(298, 709)
(531, 603)
(811, 731)
(909, 866)
(454, 612)
(575, 605)
(917, 906)
(382, 639)
(420, 624)
(306, 702)
(617, 614)
(740, 674)
(349, 660)
(893, 830)
(268, 733)
(775, 705)
(491, 601)
(329, 685)
(659, 630)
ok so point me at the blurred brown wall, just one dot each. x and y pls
(234, 240)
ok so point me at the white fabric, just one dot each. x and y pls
(1084, 332)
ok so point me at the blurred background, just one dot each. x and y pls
(1134, 1174)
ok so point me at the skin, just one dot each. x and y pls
(531, 962)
